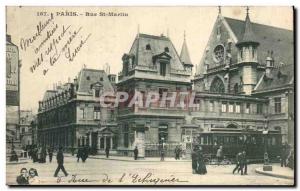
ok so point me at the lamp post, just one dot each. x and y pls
(267, 166)
(162, 152)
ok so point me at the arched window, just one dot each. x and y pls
(217, 86)
(232, 126)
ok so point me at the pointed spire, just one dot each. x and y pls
(248, 36)
(184, 55)
(219, 10)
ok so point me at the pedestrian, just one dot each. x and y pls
(22, 179)
(50, 153)
(30, 152)
(201, 167)
(79, 154)
(43, 155)
(284, 154)
(220, 154)
(290, 163)
(35, 154)
(60, 162)
(135, 152)
(107, 152)
(177, 153)
(85, 154)
(73, 151)
(194, 160)
(244, 163)
(238, 162)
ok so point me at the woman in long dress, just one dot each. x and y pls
(194, 160)
(201, 164)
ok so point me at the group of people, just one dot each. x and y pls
(287, 156)
(241, 163)
(39, 154)
(198, 162)
(28, 177)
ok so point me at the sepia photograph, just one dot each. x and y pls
(150, 96)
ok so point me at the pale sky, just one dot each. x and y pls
(111, 37)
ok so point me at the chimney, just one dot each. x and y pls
(269, 63)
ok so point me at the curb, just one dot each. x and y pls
(141, 160)
(272, 174)
(11, 163)
(128, 160)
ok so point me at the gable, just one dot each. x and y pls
(220, 35)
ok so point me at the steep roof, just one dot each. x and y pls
(158, 45)
(87, 77)
(279, 77)
(184, 55)
(278, 40)
(248, 35)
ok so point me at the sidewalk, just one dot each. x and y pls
(278, 171)
(131, 159)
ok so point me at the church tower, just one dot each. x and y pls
(247, 57)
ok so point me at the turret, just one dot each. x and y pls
(185, 56)
(247, 56)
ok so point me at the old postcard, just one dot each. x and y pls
(150, 95)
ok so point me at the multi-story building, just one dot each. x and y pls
(12, 91)
(26, 131)
(71, 114)
(152, 65)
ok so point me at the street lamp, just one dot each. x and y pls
(267, 166)
(162, 150)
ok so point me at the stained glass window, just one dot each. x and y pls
(217, 86)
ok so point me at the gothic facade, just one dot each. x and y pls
(246, 78)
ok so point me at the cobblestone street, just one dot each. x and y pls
(105, 172)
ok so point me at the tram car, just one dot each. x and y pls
(254, 142)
